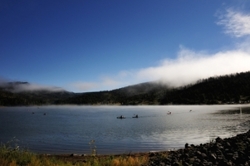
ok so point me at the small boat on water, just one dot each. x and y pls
(121, 117)
(136, 116)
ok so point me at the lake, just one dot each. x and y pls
(69, 129)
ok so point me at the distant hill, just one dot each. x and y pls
(144, 93)
(233, 88)
(11, 95)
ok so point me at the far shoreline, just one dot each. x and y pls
(103, 105)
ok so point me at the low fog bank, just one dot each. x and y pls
(17, 87)
(189, 65)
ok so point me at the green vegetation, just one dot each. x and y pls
(13, 156)
(93, 148)
(234, 88)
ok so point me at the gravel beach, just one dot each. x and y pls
(228, 151)
(233, 151)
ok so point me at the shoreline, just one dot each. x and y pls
(228, 151)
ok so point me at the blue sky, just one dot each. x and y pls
(86, 45)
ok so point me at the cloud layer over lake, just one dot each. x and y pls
(190, 65)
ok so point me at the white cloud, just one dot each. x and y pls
(36, 87)
(109, 82)
(236, 23)
(190, 65)
(105, 83)
(25, 86)
(84, 86)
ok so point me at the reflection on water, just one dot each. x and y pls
(235, 110)
(69, 129)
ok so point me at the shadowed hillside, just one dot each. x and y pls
(234, 88)
(10, 97)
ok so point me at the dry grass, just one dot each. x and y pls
(11, 155)
(129, 161)
(118, 160)
(15, 157)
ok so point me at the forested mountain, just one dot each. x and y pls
(233, 88)
(145, 93)
(10, 95)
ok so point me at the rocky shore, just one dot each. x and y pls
(222, 152)
(233, 151)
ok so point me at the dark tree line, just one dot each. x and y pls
(234, 88)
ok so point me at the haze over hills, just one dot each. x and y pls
(233, 88)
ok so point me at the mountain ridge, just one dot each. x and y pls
(226, 89)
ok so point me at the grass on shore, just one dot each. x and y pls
(15, 157)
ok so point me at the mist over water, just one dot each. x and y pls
(69, 129)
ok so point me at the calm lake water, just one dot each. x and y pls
(69, 129)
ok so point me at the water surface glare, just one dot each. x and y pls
(69, 129)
